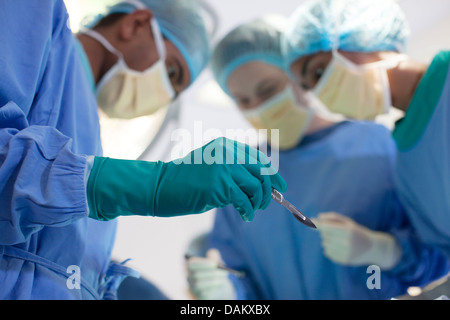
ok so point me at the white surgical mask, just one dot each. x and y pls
(126, 93)
(281, 112)
(356, 91)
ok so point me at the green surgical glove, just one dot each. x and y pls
(221, 173)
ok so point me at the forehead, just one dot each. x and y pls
(248, 76)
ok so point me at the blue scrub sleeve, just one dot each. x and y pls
(41, 177)
(41, 180)
(420, 263)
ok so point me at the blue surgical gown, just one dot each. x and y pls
(48, 124)
(347, 168)
(423, 164)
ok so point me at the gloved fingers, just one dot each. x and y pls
(333, 218)
(252, 186)
(204, 294)
(242, 194)
(266, 192)
(249, 158)
(214, 255)
(333, 253)
(246, 154)
(200, 275)
(278, 182)
(332, 231)
(337, 252)
(208, 284)
(202, 281)
(234, 152)
(268, 170)
(337, 258)
(348, 249)
(350, 233)
(258, 187)
(338, 246)
(213, 292)
(207, 279)
(204, 265)
(259, 165)
(326, 214)
(334, 226)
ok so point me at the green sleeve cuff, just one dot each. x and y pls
(122, 187)
(411, 127)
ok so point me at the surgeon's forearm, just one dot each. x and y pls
(121, 187)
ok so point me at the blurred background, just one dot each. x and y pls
(157, 245)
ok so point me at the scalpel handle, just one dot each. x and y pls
(277, 196)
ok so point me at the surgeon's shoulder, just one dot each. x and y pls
(368, 127)
(60, 20)
(371, 133)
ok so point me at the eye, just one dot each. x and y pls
(268, 88)
(175, 74)
(319, 72)
(304, 86)
(313, 76)
(172, 72)
(267, 92)
(303, 81)
(244, 102)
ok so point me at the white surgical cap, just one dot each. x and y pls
(347, 25)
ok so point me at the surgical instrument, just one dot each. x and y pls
(278, 197)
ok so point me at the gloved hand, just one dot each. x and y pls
(196, 183)
(347, 242)
(206, 281)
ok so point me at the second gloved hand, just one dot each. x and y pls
(221, 173)
(206, 281)
(346, 242)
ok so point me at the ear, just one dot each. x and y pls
(134, 23)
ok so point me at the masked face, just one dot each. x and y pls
(281, 112)
(268, 100)
(126, 93)
(356, 91)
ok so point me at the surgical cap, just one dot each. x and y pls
(181, 23)
(347, 25)
(258, 40)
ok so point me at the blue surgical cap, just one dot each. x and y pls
(258, 40)
(181, 23)
(347, 25)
